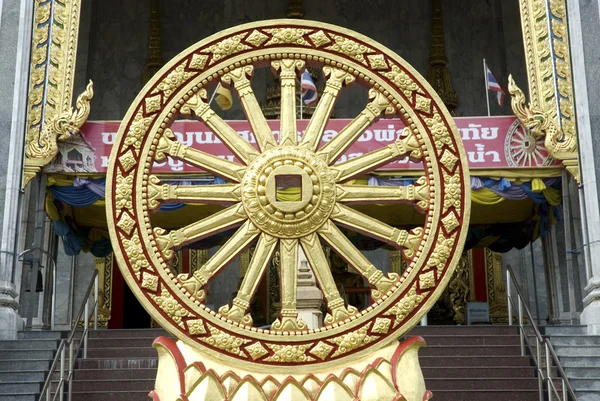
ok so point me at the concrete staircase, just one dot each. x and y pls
(24, 364)
(459, 364)
(579, 355)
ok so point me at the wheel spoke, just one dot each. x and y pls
(342, 245)
(241, 303)
(316, 257)
(167, 145)
(288, 317)
(288, 71)
(350, 133)
(360, 222)
(408, 144)
(521, 155)
(354, 194)
(221, 194)
(241, 82)
(229, 251)
(336, 79)
(198, 106)
(218, 222)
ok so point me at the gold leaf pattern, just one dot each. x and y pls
(198, 61)
(441, 252)
(319, 38)
(137, 130)
(321, 350)
(196, 327)
(353, 340)
(174, 80)
(423, 104)
(256, 350)
(377, 62)
(225, 342)
(427, 280)
(135, 253)
(288, 36)
(127, 160)
(406, 305)
(150, 281)
(123, 191)
(171, 306)
(381, 326)
(126, 223)
(449, 160)
(402, 80)
(257, 38)
(289, 353)
(453, 192)
(350, 48)
(440, 132)
(450, 222)
(228, 47)
(152, 104)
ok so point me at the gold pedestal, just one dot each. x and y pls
(392, 373)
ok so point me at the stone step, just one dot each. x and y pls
(125, 342)
(587, 351)
(114, 385)
(448, 340)
(84, 386)
(463, 330)
(113, 395)
(118, 363)
(26, 387)
(146, 333)
(583, 372)
(18, 397)
(138, 352)
(512, 383)
(579, 361)
(39, 335)
(583, 384)
(588, 341)
(477, 372)
(110, 374)
(26, 354)
(24, 365)
(42, 344)
(28, 375)
(564, 330)
(486, 395)
(588, 395)
(474, 361)
(456, 350)
(440, 395)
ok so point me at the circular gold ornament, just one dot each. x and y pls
(261, 216)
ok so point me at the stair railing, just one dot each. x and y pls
(543, 360)
(66, 372)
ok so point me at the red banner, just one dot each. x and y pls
(490, 142)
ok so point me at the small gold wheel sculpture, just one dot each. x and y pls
(251, 202)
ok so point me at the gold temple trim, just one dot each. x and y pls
(550, 113)
(53, 57)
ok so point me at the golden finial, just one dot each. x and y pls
(154, 60)
(295, 9)
(438, 74)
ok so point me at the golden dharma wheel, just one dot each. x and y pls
(325, 203)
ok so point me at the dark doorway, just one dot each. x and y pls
(134, 315)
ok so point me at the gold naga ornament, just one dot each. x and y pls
(221, 355)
